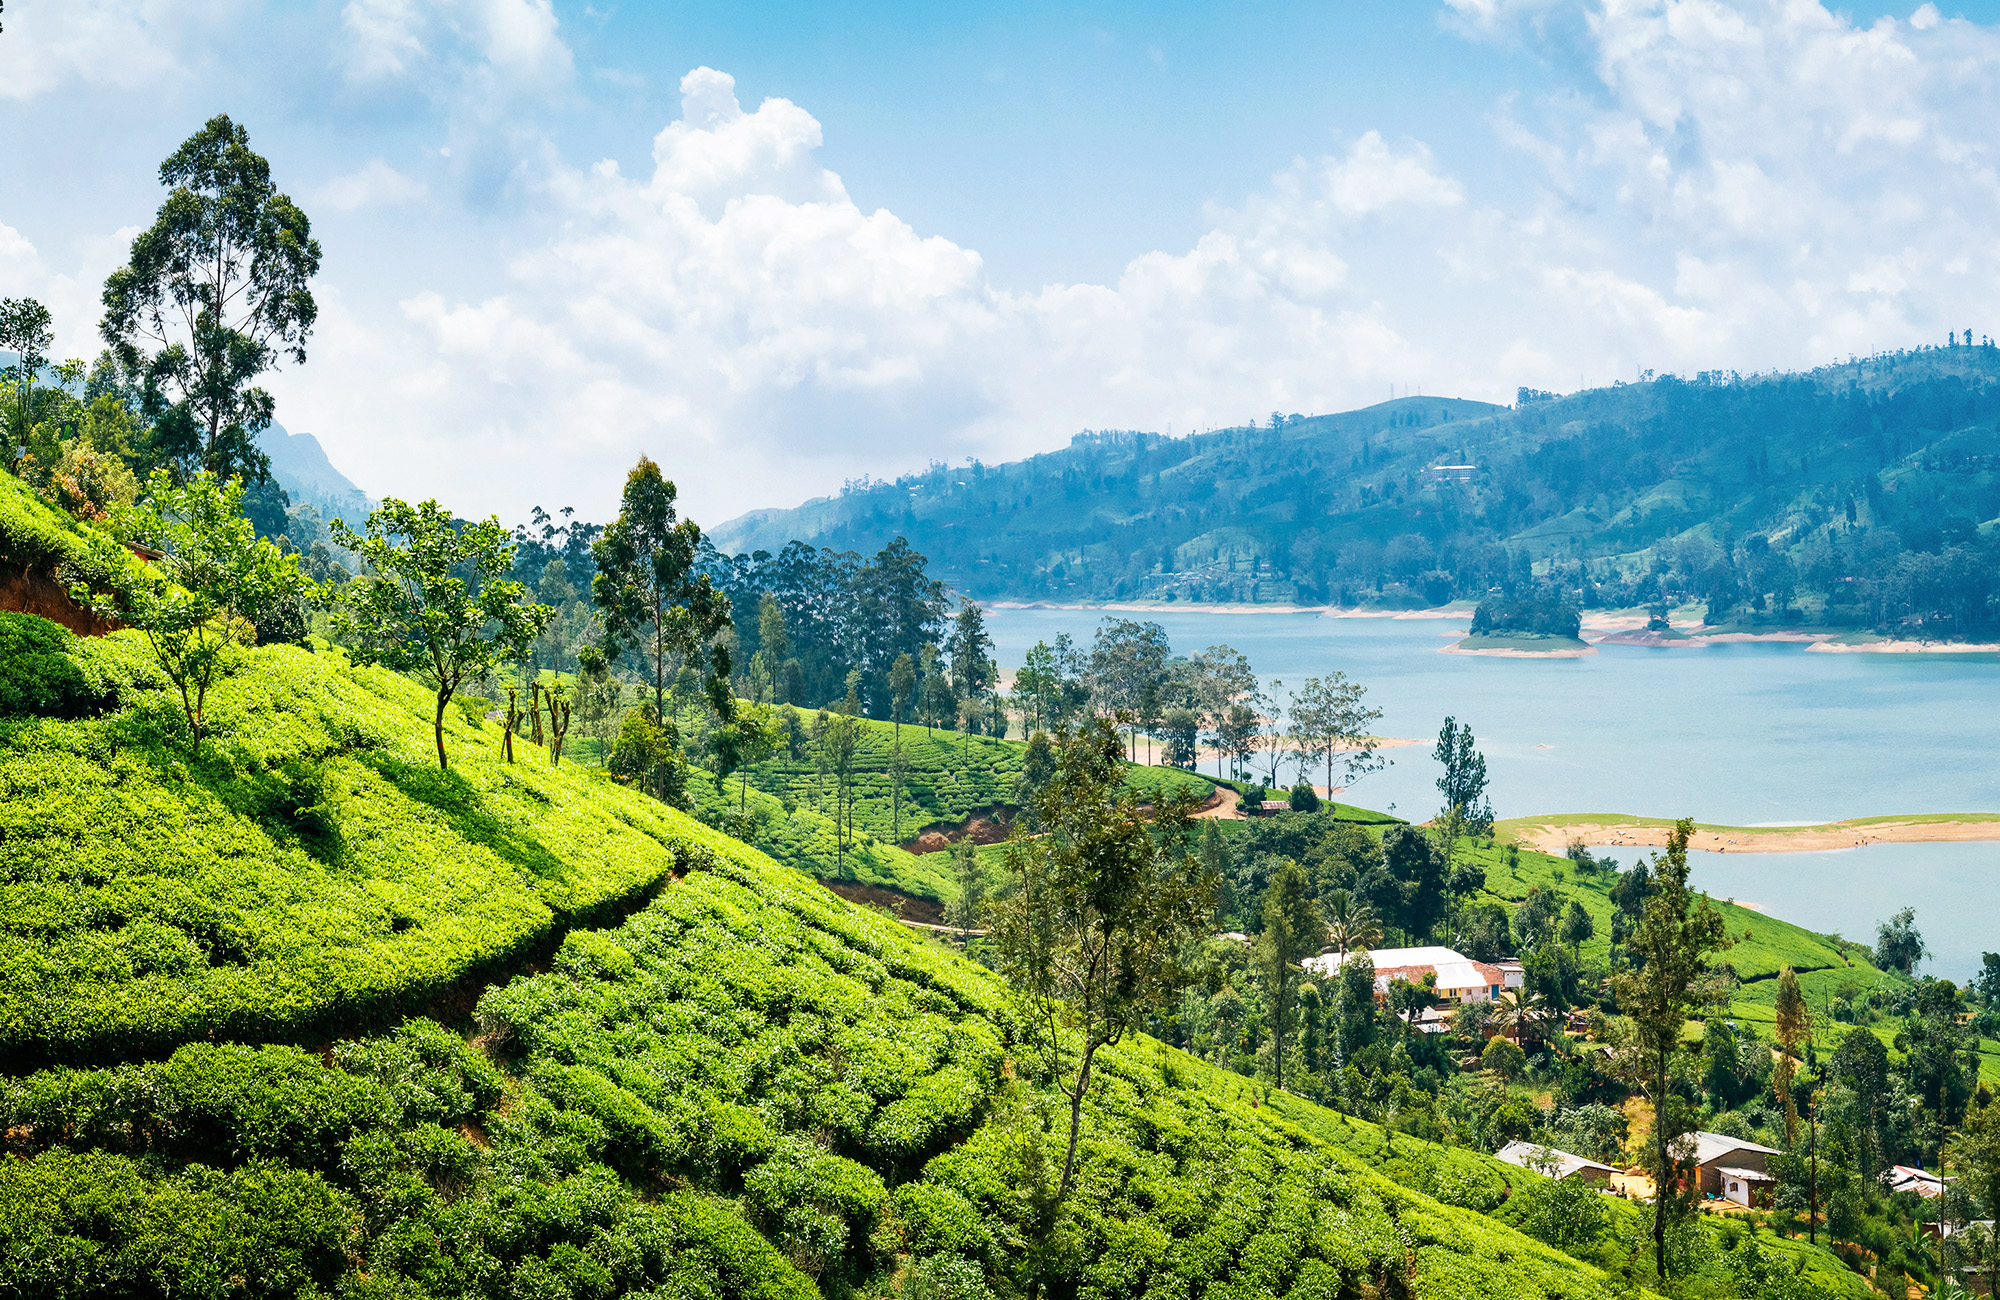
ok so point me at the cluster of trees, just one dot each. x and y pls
(214, 293)
(1850, 497)
(1212, 700)
(1537, 613)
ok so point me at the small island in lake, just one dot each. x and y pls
(1542, 625)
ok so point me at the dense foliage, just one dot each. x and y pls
(310, 869)
(747, 1088)
(1850, 497)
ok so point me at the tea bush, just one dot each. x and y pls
(313, 870)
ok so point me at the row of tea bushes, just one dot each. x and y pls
(311, 870)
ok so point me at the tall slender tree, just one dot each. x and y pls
(1463, 782)
(652, 599)
(1676, 935)
(215, 293)
(26, 330)
(1293, 931)
(1329, 719)
(902, 684)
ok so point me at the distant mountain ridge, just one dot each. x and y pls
(1853, 494)
(300, 465)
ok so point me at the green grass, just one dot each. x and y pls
(948, 778)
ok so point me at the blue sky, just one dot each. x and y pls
(781, 245)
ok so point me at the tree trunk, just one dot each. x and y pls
(1812, 1170)
(1075, 1120)
(437, 724)
(1660, 1171)
(1278, 1042)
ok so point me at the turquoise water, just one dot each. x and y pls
(1851, 891)
(1737, 734)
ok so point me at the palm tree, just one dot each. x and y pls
(1519, 1010)
(1350, 922)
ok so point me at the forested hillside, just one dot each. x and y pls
(1856, 495)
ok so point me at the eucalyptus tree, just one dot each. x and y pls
(1128, 662)
(26, 330)
(1329, 719)
(214, 293)
(1293, 931)
(653, 601)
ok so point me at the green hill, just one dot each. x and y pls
(747, 1087)
(1858, 495)
(305, 1016)
(948, 778)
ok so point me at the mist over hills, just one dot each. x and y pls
(1856, 494)
(300, 465)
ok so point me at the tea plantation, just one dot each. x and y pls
(304, 1016)
(747, 1088)
(948, 778)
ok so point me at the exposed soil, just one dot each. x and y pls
(984, 826)
(31, 591)
(903, 906)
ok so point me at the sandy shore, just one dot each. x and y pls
(1552, 837)
(1496, 652)
(1890, 647)
(1460, 610)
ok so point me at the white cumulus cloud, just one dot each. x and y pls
(105, 44)
(1721, 185)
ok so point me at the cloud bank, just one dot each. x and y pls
(1736, 185)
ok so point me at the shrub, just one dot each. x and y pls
(1504, 1057)
(1304, 798)
(37, 674)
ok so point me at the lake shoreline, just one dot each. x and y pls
(1555, 834)
(1627, 628)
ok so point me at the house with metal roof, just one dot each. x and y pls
(1556, 1164)
(1733, 1169)
(1459, 978)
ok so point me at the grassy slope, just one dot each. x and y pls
(33, 533)
(949, 777)
(1772, 944)
(311, 867)
(748, 1078)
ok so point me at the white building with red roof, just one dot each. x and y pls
(1459, 978)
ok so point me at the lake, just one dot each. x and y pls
(1850, 891)
(1738, 734)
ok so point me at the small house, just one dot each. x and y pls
(1908, 1178)
(1459, 978)
(1558, 1164)
(1734, 1169)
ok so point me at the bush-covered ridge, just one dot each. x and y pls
(746, 1088)
(759, 1055)
(313, 871)
(948, 778)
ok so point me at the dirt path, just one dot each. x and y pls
(1554, 836)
